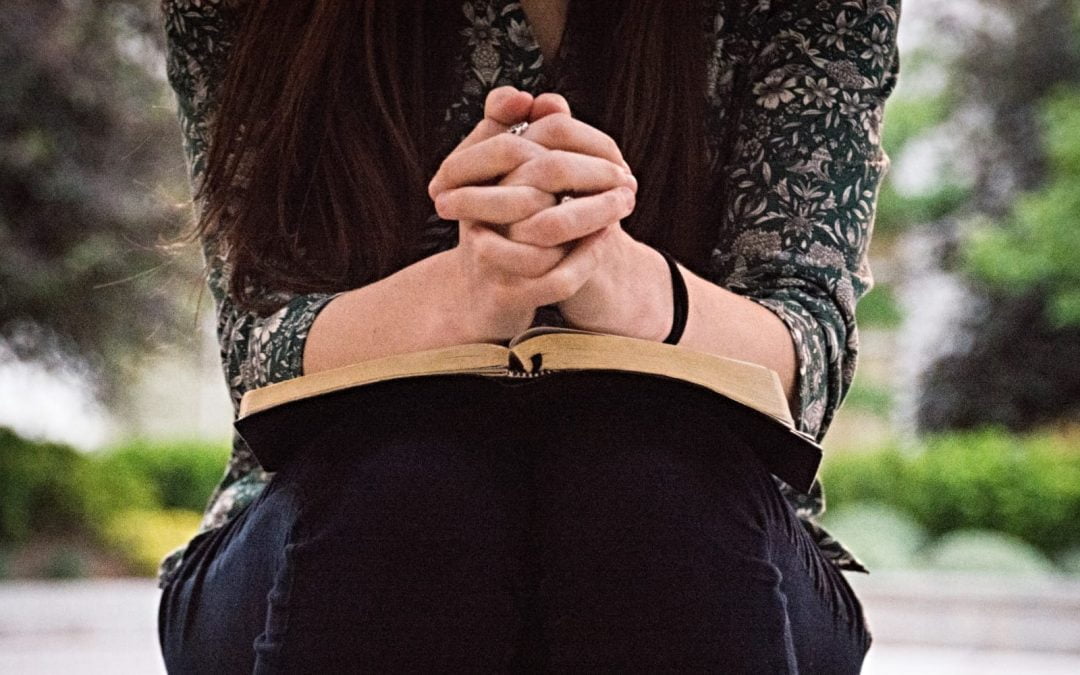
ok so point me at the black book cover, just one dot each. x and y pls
(339, 419)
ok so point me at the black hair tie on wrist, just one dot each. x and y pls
(681, 300)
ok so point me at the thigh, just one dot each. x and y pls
(659, 537)
(829, 631)
(395, 541)
(408, 552)
(215, 607)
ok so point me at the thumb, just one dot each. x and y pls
(548, 104)
(503, 107)
(507, 105)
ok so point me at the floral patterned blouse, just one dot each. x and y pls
(796, 90)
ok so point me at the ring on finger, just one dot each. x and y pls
(518, 128)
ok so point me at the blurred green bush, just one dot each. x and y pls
(986, 551)
(180, 474)
(884, 538)
(881, 536)
(50, 488)
(145, 537)
(1026, 486)
(138, 500)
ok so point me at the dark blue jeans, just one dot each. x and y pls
(497, 528)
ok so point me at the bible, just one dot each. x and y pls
(272, 419)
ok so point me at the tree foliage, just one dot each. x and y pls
(1015, 81)
(1038, 244)
(1009, 62)
(88, 160)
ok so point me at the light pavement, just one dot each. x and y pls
(924, 624)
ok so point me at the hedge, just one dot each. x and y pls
(1027, 486)
(55, 489)
(181, 474)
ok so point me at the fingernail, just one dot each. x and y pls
(631, 182)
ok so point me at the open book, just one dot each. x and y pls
(753, 392)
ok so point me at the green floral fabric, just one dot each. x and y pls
(796, 90)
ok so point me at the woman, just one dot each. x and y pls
(359, 196)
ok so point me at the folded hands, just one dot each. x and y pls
(522, 246)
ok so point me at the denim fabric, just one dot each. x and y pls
(584, 522)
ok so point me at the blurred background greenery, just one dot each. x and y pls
(958, 446)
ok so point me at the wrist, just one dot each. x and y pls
(447, 293)
(410, 310)
(467, 308)
(661, 303)
(630, 296)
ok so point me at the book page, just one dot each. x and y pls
(748, 383)
(548, 330)
(480, 358)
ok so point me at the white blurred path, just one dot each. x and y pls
(922, 623)
(87, 627)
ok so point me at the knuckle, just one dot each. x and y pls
(485, 260)
(540, 200)
(615, 173)
(611, 147)
(557, 227)
(563, 282)
(614, 201)
(483, 246)
(510, 149)
(556, 166)
(450, 173)
(439, 179)
(544, 229)
(501, 145)
(561, 128)
(620, 202)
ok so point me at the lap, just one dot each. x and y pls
(618, 527)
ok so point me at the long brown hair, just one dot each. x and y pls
(325, 134)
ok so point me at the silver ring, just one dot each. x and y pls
(518, 128)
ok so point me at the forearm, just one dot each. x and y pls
(634, 298)
(728, 324)
(721, 322)
(405, 312)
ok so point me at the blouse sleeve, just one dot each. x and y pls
(256, 350)
(800, 184)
